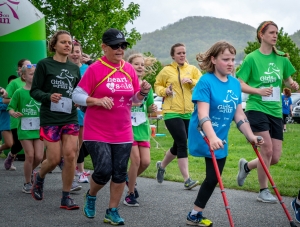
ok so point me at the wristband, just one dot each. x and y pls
(143, 94)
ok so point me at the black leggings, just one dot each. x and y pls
(82, 154)
(178, 129)
(210, 182)
(17, 146)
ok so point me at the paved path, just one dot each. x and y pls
(164, 204)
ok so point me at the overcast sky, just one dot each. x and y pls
(158, 13)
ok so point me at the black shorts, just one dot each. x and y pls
(260, 122)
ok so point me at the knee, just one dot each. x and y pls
(275, 160)
(101, 178)
(144, 164)
(211, 182)
(135, 161)
(29, 158)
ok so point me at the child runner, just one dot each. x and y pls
(286, 106)
(217, 98)
(28, 110)
(140, 151)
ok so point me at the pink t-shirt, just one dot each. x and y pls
(114, 125)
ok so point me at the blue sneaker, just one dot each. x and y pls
(130, 201)
(89, 209)
(198, 220)
(136, 193)
(112, 217)
(296, 209)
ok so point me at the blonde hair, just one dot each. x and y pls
(24, 70)
(149, 62)
(204, 59)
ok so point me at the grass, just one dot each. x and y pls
(285, 174)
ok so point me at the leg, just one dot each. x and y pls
(144, 159)
(8, 140)
(29, 158)
(38, 152)
(69, 151)
(80, 160)
(134, 167)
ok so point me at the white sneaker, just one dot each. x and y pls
(77, 173)
(83, 178)
(265, 196)
(242, 174)
(13, 168)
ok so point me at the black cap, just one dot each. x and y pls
(113, 36)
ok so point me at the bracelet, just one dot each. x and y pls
(143, 94)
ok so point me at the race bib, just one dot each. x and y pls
(274, 97)
(63, 105)
(138, 118)
(30, 123)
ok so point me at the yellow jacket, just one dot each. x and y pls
(181, 101)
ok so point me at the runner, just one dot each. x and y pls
(217, 99)
(53, 82)
(140, 151)
(261, 75)
(27, 109)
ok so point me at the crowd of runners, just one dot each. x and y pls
(66, 107)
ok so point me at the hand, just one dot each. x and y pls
(266, 91)
(153, 108)
(55, 97)
(169, 90)
(85, 58)
(256, 140)
(294, 85)
(216, 143)
(145, 87)
(186, 81)
(105, 102)
(3, 92)
(16, 114)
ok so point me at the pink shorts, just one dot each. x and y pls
(141, 143)
(54, 133)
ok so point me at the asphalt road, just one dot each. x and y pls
(165, 204)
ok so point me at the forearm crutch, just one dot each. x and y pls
(273, 184)
(218, 176)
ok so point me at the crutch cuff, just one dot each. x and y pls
(202, 121)
(238, 125)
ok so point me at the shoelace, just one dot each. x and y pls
(115, 214)
(90, 204)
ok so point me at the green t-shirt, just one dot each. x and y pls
(261, 71)
(11, 88)
(29, 127)
(142, 132)
(51, 77)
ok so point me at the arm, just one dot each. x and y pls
(13, 105)
(290, 83)
(251, 90)
(160, 86)
(244, 126)
(203, 111)
(36, 91)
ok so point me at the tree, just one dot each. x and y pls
(88, 19)
(285, 44)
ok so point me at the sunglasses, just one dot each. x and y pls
(117, 46)
(30, 66)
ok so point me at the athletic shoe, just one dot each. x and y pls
(198, 220)
(61, 164)
(242, 174)
(266, 197)
(83, 178)
(112, 217)
(37, 188)
(9, 160)
(130, 200)
(77, 173)
(136, 193)
(75, 186)
(89, 209)
(27, 188)
(160, 172)
(12, 167)
(296, 209)
(68, 203)
(189, 184)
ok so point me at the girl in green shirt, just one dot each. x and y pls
(23, 106)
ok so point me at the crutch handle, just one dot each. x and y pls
(259, 138)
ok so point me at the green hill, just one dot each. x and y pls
(198, 34)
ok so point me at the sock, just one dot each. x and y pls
(246, 168)
(194, 212)
(262, 189)
(65, 194)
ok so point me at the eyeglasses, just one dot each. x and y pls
(30, 66)
(117, 46)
